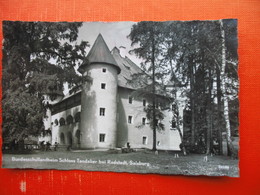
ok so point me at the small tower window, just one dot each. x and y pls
(102, 137)
(130, 100)
(104, 70)
(144, 102)
(103, 85)
(145, 140)
(143, 121)
(102, 111)
(130, 119)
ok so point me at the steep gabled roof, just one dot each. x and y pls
(100, 53)
(128, 68)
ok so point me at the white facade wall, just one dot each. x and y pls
(138, 135)
(115, 122)
(115, 125)
(174, 139)
(67, 129)
(47, 120)
(93, 98)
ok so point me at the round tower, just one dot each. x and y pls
(98, 124)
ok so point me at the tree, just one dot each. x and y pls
(223, 88)
(148, 38)
(38, 57)
(193, 52)
(182, 53)
(191, 56)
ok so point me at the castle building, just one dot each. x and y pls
(103, 114)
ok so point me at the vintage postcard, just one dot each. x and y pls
(138, 97)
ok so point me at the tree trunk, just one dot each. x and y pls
(178, 116)
(223, 88)
(192, 104)
(154, 101)
(209, 114)
(219, 110)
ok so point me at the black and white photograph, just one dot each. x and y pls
(139, 97)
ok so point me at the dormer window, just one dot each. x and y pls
(127, 67)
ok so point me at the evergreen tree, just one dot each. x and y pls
(193, 52)
(148, 37)
(38, 57)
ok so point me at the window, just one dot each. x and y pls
(102, 137)
(157, 105)
(144, 102)
(158, 143)
(104, 69)
(174, 108)
(144, 140)
(174, 124)
(130, 100)
(102, 111)
(130, 119)
(143, 121)
(103, 85)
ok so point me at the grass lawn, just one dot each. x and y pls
(135, 162)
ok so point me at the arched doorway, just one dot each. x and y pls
(69, 120)
(62, 138)
(77, 135)
(62, 122)
(69, 139)
(77, 117)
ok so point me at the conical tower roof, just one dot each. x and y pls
(100, 54)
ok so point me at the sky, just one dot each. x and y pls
(114, 34)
